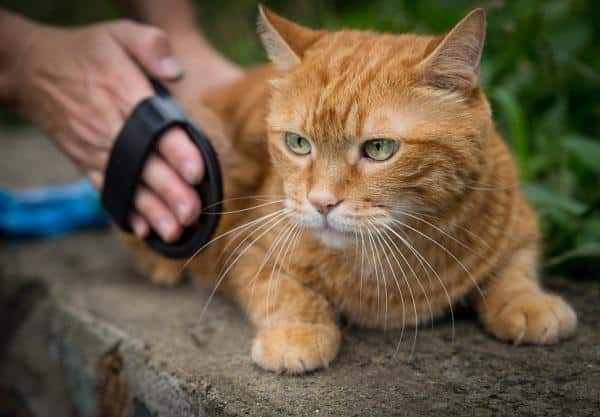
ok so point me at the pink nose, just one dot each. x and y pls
(323, 200)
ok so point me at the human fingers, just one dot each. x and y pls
(157, 214)
(179, 196)
(181, 154)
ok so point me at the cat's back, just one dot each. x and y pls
(242, 106)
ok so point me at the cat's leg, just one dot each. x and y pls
(157, 268)
(297, 328)
(515, 308)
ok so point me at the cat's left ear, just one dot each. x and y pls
(284, 40)
(454, 62)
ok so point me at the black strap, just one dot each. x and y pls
(148, 121)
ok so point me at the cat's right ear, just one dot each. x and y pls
(454, 62)
(284, 41)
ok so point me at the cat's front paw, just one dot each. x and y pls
(533, 317)
(296, 347)
(160, 270)
(164, 272)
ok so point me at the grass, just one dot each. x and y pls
(540, 70)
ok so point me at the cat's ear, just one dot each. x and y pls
(454, 62)
(285, 41)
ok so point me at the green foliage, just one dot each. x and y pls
(540, 70)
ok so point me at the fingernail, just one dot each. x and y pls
(138, 228)
(166, 229)
(171, 68)
(191, 172)
(183, 212)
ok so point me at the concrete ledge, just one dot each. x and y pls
(83, 333)
(176, 365)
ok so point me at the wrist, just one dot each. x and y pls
(206, 68)
(16, 37)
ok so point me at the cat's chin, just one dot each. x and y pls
(334, 239)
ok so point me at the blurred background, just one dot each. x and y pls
(541, 72)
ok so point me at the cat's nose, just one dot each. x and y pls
(324, 201)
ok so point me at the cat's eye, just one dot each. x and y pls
(297, 144)
(379, 149)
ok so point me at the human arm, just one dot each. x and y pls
(206, 69)
(78, 85)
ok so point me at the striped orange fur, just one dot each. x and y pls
(402, 240)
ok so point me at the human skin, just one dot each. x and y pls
(206, 69)
(78, 85)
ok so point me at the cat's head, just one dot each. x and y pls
(364, 126)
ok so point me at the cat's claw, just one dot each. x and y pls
(296, 348)
(534, 318)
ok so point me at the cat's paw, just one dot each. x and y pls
(160, 270)
(535, 318)
(163, 272)
(296, 347)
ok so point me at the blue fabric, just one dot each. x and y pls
(50, 211)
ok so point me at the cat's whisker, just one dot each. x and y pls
(448, 252)
(227, 233)
(289, 250)
(239, 234)
(411, 296)
(263, 197)
(448, 235)
(429, 280)
(282, 213)
(490, 188)
(373, 259)
(295, 236)
(272, 247)
(402, 330)
(285, 243)
(391, 240)
(472, 235)
(274, 220)
(247, 208)
(289, 243)
(224, 273)
(416, 253)
(362, 270)
(355, 263)
(377, 260)
(384, 280)
(296, 239)
(424, 262)
(399, 289)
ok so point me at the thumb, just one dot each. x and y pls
(150, 47)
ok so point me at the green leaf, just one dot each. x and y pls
(553, 121)
(513, 114)
(587, 250)
(568, 39)
(586, 149)
(543, 197)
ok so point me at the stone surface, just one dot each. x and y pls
(74, 307)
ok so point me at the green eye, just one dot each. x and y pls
(297, 144)
(379, 149)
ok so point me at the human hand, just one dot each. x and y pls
(79, 85)
(206, 68)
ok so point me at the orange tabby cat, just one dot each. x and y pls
(365, 179)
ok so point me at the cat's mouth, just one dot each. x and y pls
(332, 231)
(333, 238)
(337, 228)
(322, 223)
